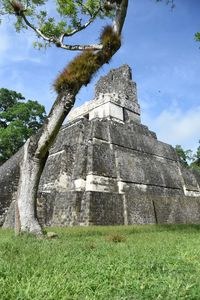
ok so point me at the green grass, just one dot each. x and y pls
(131, 262)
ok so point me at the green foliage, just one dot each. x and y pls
(51, 29)
(78, 71)
(8, 98)
(183, 155)
(188, 159)
(197, 36)
(18, 121)
(195, 165)
(69, 15)
(155, 262)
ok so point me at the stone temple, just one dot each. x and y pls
(106, 168)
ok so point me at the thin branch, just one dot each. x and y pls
(83, 26)
(38, 31)
(86, 8)
(80, 28)
(81, 47)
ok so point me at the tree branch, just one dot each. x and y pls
(58, 42)
(86, 8)
(80, 28)
(120, 16)
(38, 31)
(118, 22)
(81, 47)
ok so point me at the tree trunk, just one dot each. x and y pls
(34, 157)
(30, 173)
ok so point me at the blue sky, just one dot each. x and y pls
(159, 46)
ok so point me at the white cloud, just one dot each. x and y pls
(4, 45)
(177, 127)
(16, 47)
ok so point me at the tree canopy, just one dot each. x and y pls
(184, 155)
(189, 159)
(70, 17)
(18, 121)
(195, 165)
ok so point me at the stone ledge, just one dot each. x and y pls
(116, 100)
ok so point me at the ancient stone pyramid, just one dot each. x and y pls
(106, 168)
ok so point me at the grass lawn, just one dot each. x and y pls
(127, 262)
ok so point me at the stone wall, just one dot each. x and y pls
(115, 173)
(109, 169)
(9, 176)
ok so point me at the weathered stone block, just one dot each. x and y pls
(67, 209)
(138, 167)
(105, 209)
(9, 177)
(101, 159)
(100, 129)
(189, 180)
(118, 81)
(130, 116)
(71, 134)
(108, 109)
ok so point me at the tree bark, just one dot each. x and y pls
(30, 173)
(35, 154)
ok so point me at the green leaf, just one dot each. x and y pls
(197, 36)
(18, 120)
